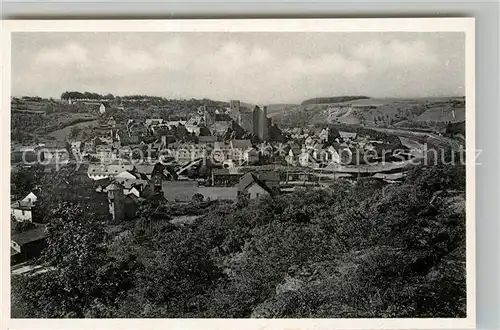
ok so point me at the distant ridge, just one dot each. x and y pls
(333, 99)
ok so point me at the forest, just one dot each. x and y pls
(362, 249)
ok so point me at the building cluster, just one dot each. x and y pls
(27, 244)
(215, 154)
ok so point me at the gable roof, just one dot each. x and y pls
(241, 144)
(250, 178)
(98, 169)
(29, 236)
(126, 175)
(144, 169)
(130, 183)
(350, 135)
(113, 186)
(207, 138)
(31, 197)
(21, 205)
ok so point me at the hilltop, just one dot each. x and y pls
(381, 112)
(333, 99)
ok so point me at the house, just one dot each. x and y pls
(76, 147)
(161, 173)
(251, 156)
(317, 152)
(241, 151)
(99, 171)
(27, 244)
(225, 177)
(111, 122)
(250, 186)
(105, 153)
(348, 136)
(222, 151)
(222, 123)
(127, 175)
(137, 187)
(179, 191)
(305, 158)
(124, 152)
(22, 211)
(241, 144)
(104, 107)
(294, 153)
(175, 123)
(333, 154)
(153, 121)
(88, 147)
(30, 198)
(144, 170)
(192, 125)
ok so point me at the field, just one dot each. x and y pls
(34, 128)
(65, 133)
(383, 112)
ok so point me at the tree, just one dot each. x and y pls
(75, 130)
(198, 198)
(80, 271)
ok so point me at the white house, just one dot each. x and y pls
(30, 198)
(98, 171)
(22, 210)
(76, 147)
(348, 136)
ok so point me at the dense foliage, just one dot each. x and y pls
(355, 250)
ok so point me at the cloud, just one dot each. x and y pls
(333, 63)
(395, 53)
(71, 53)
(118, 59)
(254, 67)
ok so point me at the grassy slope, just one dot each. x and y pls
(387, 111)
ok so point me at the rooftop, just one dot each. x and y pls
(29, 236)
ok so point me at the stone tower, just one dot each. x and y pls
(115, 201)
(235, 111)
(209, 116)
(256, 119)
(263, 125)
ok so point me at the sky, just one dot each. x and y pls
(261, 68)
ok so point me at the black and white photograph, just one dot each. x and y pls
(219, 173)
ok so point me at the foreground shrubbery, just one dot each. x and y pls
(350, 251)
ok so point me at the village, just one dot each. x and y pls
(215, 154)
(242, 174)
